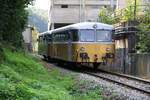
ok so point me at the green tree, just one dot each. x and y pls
(13, 18)
(140, 14)
(129, 12)
(143, 42)
(105, 16)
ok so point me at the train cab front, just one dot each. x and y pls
(95, 45)
(96, 54)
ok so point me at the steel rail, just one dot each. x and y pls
(126, 76)
(118, 82)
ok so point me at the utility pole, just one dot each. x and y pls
(134, 10)
(80, 11)
(84, 10)
(50, 14)
(112, 4)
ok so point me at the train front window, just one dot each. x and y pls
(103, 35)
(87, 35)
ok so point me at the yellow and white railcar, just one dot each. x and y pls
(87, 42)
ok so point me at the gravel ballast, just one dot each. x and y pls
(114, 91)
(110, 91)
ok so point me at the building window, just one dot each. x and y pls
(105, 6)
(64, 6)
(114, 7)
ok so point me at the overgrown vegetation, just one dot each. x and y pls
(143, 41)
(22, 78)
(105, 16)
(132, 13)
(84, 90)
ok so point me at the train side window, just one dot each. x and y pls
(74, 35)
(113, 35)
(48, 38)
(42, 38)
(56, 37)
(61, 36)
(66, 36)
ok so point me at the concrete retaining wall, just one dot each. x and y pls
(134, 64)
(139, 64)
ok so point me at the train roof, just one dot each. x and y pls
(47, 32)
(86, 25)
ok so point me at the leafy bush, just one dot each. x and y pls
(13, 18)
(2, 56)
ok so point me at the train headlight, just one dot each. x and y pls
(95, 58)
(82, 49)
(108, 49)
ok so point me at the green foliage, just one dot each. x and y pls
(13, 18)
(83, 91)
(129, 13)
(22, 78)
(29, 80)
(2, 56)
(140, 14)
(143, 42)
(132, 2)
(105, 16)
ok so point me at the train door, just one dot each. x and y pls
(69, 46)
(49, 46)
(45, 47)
(40, 43)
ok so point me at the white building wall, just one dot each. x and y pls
(77, 11)
(121, 4)
(27, 35)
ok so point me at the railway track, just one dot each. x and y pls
(134, 83)
(126, 76)
(131, 82)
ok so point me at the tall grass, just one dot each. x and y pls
(23, 78)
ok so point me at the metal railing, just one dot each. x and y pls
(129, 29)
